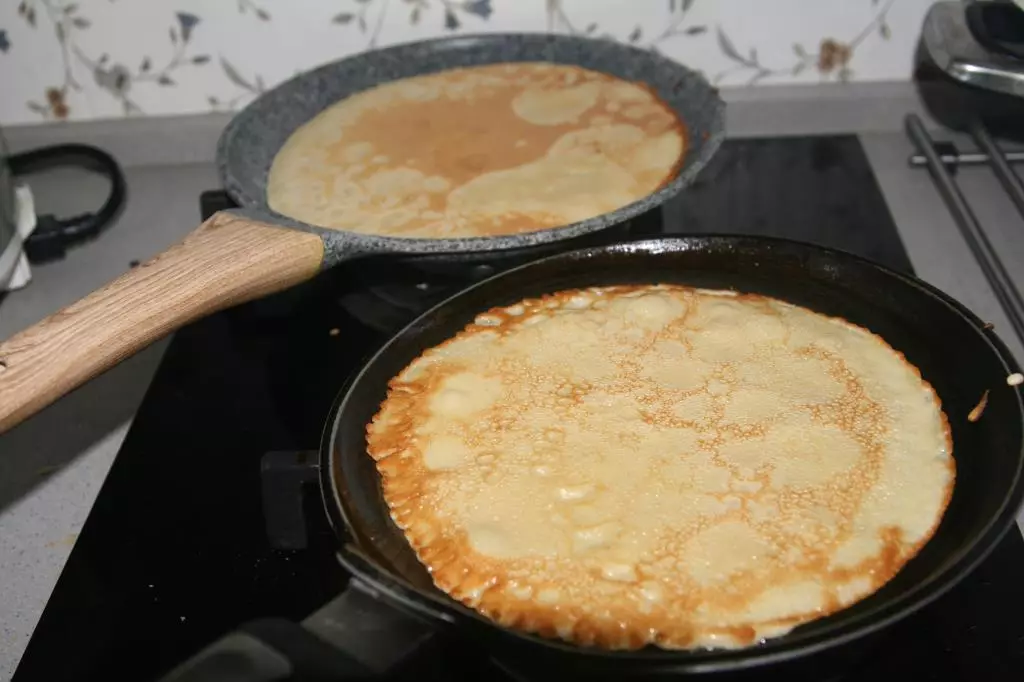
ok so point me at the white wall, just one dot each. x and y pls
(89, 59)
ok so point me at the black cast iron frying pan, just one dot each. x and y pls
(391, 606)
(243, 254)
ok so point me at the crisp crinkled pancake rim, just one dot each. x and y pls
(632, 465)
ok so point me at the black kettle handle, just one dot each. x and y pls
(998, 26)
(355, 637)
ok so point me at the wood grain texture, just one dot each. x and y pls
(227, 260)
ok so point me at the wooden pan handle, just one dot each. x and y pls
(228, 260)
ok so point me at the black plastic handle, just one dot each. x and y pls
(52, 236)
(271, 650)
(357, 636)
(238, 657)
(998, 26)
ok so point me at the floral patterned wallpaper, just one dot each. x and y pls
(62, 59)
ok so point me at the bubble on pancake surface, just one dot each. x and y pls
(477, 151)
(692, 469)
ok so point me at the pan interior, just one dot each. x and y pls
(250, 142)
(959, 358)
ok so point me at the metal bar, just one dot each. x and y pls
(966, 159)
(1009, 179)
(1002, 286)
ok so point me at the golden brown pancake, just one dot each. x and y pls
(634, 465)
(480, 151)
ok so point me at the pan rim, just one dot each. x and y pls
(959, 565)
(712, 138)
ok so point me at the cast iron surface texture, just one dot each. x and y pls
(174, 555)
(955, 353)
(248, 145)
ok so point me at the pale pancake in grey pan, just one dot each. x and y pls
(251, 141)
(229, 261)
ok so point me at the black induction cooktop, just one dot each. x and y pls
(175, 551)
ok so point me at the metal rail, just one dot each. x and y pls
(966, 159)
(995, 272)
(1000, 166)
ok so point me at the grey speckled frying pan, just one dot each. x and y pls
(243, 254)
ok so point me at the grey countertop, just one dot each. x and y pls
(55, 462)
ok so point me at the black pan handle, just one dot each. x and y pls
(270, 650)
(357, 636)
(53, 235)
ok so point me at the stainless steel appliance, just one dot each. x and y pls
(970, 74)
(969, 65)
